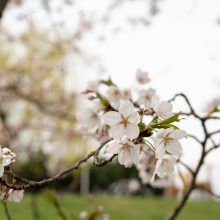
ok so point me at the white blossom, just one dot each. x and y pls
(89, 119)
(142, 77)
(123, 122)
(84, 214)
(145, 97)
(165, 166)
(6, 157)
(162, 109)
(15, 195)
(105, 216)
(126, 150)
(167, 140)
(115, 95)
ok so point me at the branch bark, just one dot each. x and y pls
(3, 4)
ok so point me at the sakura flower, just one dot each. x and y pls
(165, 166)
(167, 140)
(15, 195)
(123, 122)
(126, 94)
(84, 214)
(114, 96)
(162, 109)
(126, 150)
(142, 77)
(145, 97)
(105, 216)
(6, 157)
(90, 119)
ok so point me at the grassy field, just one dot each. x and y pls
(119, 208)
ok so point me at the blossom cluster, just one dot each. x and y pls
(138, 124)
(6, 158)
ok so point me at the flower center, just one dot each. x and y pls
(167, 140)
(124, 121)
(125, 147)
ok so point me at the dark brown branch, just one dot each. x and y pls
(192, 185)
(194, 138)
(186, 166)
(29, 183)
(214, 132)
(208, 191)
(192, 111)
(3, 4)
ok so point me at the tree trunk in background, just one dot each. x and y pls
(84, 181)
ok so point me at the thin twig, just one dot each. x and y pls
(208, 191)
(7, 213)
(186, 166)
(29, 183)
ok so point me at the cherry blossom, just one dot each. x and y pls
(15, 195)
(142, 77)
(115, 95)
(123, 122)
(6, 157)
(165, 166)
(167, 140)
(162, 109)
(90, 119)
(127, 151)
(145, 97)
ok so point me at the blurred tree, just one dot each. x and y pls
(36, 111)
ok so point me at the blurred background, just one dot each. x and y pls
(50, 50)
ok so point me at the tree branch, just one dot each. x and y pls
(3, 4)
(7, 213)
(29, 183)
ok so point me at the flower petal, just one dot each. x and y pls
(160, 151)
(132, 131)
(134, 118)
(113, 147)
(134, 155)
(111, 118)
(1, 170)
(174, 148)
(126, 108)
(178, 134)
(6, 161)
(123, 157)
(117, 131)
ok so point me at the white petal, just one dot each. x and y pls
(165, 106)
(134, 118)
(123, 157)
(178, 134)
(126, 108)
(111, 118)
(132, 131)
(6, 161)
(134, 155)
(113, 147)
(174, 148)
(164, 132)
(1, 170)
(160, 151)
(117, 131)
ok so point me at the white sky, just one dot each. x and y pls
(180, 50)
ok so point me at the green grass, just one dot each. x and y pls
(135, 208)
